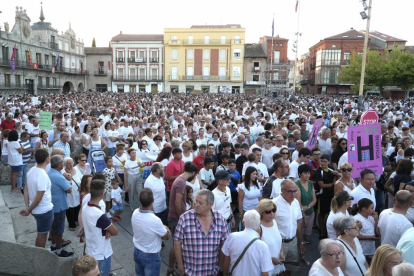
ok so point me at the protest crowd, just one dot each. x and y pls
(238, 182)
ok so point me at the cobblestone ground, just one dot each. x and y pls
(122, 261)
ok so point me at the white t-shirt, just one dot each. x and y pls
(15, 158)
(158, 189)
(38, 181)
(329, 223)
(87, 198)
(33, 130)
(116, 194)
(251, 197)
(207, 176)
(119, 162)
(293, 170)
(148, 230)
(319, 270)
(267, 157)
(4, 150)
(392, 226)
(276, 188)
(222, 202)
(368, 229)
(132, 166)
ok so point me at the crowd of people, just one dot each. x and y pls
(230, 179)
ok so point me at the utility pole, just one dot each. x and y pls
(364, 59)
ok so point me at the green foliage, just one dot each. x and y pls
(400, 68)
(352, 72)
(93, 43)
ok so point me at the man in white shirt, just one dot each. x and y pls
(394, 224)
(155, 182)
(38, 197)
(406, 245)
(365, 189)
(148, 231)
(279, 144)
(126, 129)
(324, 141)
(222, 197)
(258, 144)
(272, 187)
(98, 227)
(257, 259)
(304, 156)
(289, 221)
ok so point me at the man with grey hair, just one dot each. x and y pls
(60, 187)
(403, 269)
(289, 220)
(155, 182)
(258, 144)
(257, 259)
(175, 143)
(392, 222)
(199, 236)
(63, 143)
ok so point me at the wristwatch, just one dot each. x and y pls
(303, 242)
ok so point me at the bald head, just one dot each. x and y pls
(403, 199)
(58, 151)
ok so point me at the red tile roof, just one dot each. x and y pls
(348, 35)
(138, 37)
(385, 37)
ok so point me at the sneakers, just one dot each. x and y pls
(118, 217)
(64, 244)
(64, 253)
(114, 220)
(109, 215)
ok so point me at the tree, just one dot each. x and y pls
(93, 43)
(401, 68)
(352, 72)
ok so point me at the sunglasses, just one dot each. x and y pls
(271, 211)
(285, 153)
(343, 144)
(347, 170)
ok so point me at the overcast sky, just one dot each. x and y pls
(318, 18)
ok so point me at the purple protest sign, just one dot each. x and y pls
(313, 136)
(364, 148)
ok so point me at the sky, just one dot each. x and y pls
(318, 19)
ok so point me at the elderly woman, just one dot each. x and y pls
(76, 140)
(354, 262)
(269, 233)
(73, 197)
(83, 165)
(385, 258)
(133, 178)
(331, 256)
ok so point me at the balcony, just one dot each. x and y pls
(331, 62)
(154, 60)
(100, 73)
(137, 79)
(280, 61)
(256, 69)
(4, 85)
(199, 78)
(346, 62)
(209, 42)
(48, 86)
(54, 46)
(119, 59)
(137, 60)
(73, 71)
(255, 83)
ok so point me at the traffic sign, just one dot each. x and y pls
(369, 117)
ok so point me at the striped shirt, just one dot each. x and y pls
(26, 157)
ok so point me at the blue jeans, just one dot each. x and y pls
(105, 266)
(22, 177)
(147, 264)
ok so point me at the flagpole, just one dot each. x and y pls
(297, 49)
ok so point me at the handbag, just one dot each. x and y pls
(241, 256)
(362, 273)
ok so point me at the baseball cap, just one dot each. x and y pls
(223, 175)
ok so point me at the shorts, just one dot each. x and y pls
(117, 207)
(324, 206)
(16, 168)
(44, 221)
(58, 225)
(172, 224)
(5, 159)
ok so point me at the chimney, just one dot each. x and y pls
(120, 32)
(352, 28)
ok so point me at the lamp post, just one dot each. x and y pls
(364, 57)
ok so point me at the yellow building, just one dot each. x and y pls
(206, 58)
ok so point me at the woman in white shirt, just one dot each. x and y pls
(339, 208)
(269, 233)
(196, 185)
(15, 160)
(331, 256)
(249, 192)
(187, 154)
(354, 262)
(73, 197)
(133, 178)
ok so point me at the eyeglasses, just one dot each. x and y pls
(346, 170)
(336, 254)
(144, 144)
(83, 160)
(271, 211)
(316, 154)
(291, 191)
(285, 153)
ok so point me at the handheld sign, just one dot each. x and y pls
(313, 136)
(45, 120)
(364, 148)
(369, 117)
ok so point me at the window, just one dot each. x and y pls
(52, 38)
(205, 89)
(17, 80)
(206, 55)
(206, 73)
(47, 81)
(190, 72)
(236, 72)
(132, 55)
(5, 52)
(120, 73)
(141, 54)
(237, 54)
(190, 39)
(6, 79)
(154, 54)
(174, 39)
(60, 45)
(53, 61)
(39, 81)
(46, 59)
(256, 77)
(206, 39)
(276, 57)
(222, 54)
(237, 39)
(39, 58)
(154, 73)
(281, 44)
(132, 73)
(174, 54)
(132, 88)
(223, 39)
(101, 67)
(66, 47)
(329, 75)
(174, 73)
(16, 57)
(347, 57)
(222, 72)
(120, 56)
(330, 57)
(54, 82)
(77, 49)
(142, 74)
(190, 54)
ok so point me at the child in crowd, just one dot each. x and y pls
(206, 174)
(199, 160)
(4, 152)
(234, 181)
(116, 196)
(267, 153)
(189, 202)
(237, 151)
(110, 174)
(365, 213)
(224, 163)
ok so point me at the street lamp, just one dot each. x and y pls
(364, 57)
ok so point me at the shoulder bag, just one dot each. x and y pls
(362, 273)
(241, 256)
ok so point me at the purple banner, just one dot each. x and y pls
(313, 136)
(364, 148)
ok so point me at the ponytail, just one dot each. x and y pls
(363, 203)
(334, 205)
(355, 209)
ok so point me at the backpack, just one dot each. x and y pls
(268, 187)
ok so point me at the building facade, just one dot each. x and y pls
(98, 64)
(45, 61)
(137, 63)
(255, 61)
(204, 59)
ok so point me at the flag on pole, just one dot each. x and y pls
(297, 4)
(12, 59)
(29, 55)
(273, 27)
(57, 61)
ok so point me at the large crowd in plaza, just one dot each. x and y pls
(228, 177)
